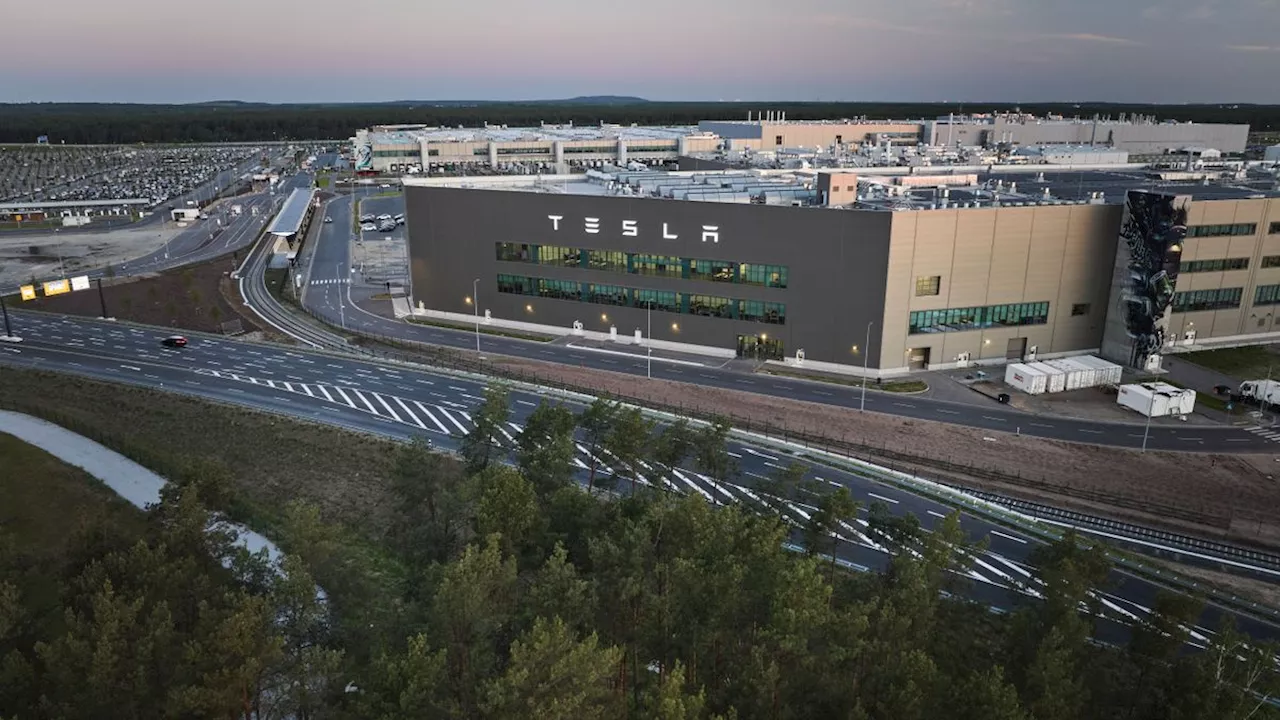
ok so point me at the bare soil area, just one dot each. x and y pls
(1225, 495)
(28, 255)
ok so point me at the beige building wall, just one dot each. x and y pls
(824, 134)
(1060, 254)
(1247, 319)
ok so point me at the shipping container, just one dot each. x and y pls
(1055, 379)
(1157, 399)
(1109, 373)
(1075, 374)
(1024, 378)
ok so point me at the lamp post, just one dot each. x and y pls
(866, 351)
(342, 313)
(475, 308)
(8, 330)
(1151, 407)
(102, 299)
(649, 336)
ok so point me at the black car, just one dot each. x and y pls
(176, 341)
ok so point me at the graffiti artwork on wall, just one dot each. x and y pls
(364, 157)
(1153, 231)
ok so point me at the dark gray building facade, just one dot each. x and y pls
(764, 280)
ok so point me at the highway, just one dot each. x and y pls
(402, 402)
(328, 294)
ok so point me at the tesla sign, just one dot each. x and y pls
(630, 228)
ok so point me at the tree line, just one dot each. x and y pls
(89, 123)
(502, 589)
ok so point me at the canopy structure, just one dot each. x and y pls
(289, 220)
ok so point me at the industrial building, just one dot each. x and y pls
(1132, 133)
(822, 267)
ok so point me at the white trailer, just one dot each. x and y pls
(1264, 391)
(1075, 373)
(1109, 373)
(1157, 399)
(1025, 378)
(1055, 379)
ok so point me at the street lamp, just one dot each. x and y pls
(648, 343)
(866, 351)
(475, 307)
(1151, 407)
(342, 313)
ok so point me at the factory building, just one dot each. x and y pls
(823, 267)
(1134, 134)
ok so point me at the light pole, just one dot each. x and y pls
(1151, 407)
(866, 351)
(475, 308)
(342, 313)
(649, 335)
(8, 329)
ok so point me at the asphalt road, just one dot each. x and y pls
(333, 303)
(400, 402)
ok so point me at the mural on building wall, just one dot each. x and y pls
(364, 157)
(1153, 231)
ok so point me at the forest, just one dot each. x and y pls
(89, 123)
(501, 589)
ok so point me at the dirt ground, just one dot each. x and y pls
(1225, 495)
(192, 299)
(79, 250)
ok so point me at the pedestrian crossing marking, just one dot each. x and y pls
(330, 281)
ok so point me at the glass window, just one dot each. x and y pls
(1079, 309)
(656, 265)
(1215, 265)
(766, 275)
(973, 318)
(1219, 299)
(559, 255)
(1274, 228)
(514, 252)
(715, 270)
(1236, 229)
(661, 300)
(765, 312)
(559, 289)
(516, 285)
(610, 260)
(1270, 261)
(608, 295)
(930, 285)
(1267, 295)
(709, 305)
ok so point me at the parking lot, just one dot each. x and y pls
(41, 173)
(382, 257)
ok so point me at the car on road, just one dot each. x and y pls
(328, 219)
(176, 341)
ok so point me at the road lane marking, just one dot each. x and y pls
(409, 412)
(526, 402)
(760, 454)
(431, 417)
(326, 394)
(131, 367)
(936, 514)
(822, 392)
(881, 497)
(734, 455)
(1039, 425)
(447, 416)
(1196, 439)
(997, 533)
(307, 390)
(345, 397)
(904, 404)
(949, 412)
(1095, 432)
(384, 404)
(365, 400)
(988, 417)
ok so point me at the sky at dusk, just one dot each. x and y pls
(1166, 51)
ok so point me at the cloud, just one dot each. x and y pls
(1092, 38)
(1254, 48)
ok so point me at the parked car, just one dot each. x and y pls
(176, 341)
(367, 217)
(368, 227)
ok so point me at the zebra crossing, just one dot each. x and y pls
(330, 281)
(453, 420)
(1271, 433)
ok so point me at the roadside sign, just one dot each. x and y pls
(28, 292)
(56, 287)
(80, 283)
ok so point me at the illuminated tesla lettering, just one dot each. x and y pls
(592, 225)
(555, 221)
(711, 232)
(631, 228)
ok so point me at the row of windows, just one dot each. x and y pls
(1236, 229)
(774, 276)
(1218, 265)
(1270, 261)
(928, 285)
(1219, 299)
(1274, 228)
(662, 300)
(973, 318)
(1267, 295)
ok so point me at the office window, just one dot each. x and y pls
(774, 276)
(1215, 265)
(931, 285)
(516, 285)
(1267, 295)
(765, 312)
(656, 265)
(1219, 299)
(1222, 230)
(974, 318)
(715, 270)
(514, 252)
(559, 289)
(1270, 261)
(559, 255)
(610, 260)
(1079, 309)
(1273, 228)
(662, 300)
(709, 305)
(777, 139)
(608, 295)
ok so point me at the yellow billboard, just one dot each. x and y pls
(28, 292)
(56, 287)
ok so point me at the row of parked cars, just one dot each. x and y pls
(383, 223)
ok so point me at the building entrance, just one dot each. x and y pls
(760, 347)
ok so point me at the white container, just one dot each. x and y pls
(1157, 399)
(1108, 373)
(1055, 379)
(1025, 378)
(1075, 374)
